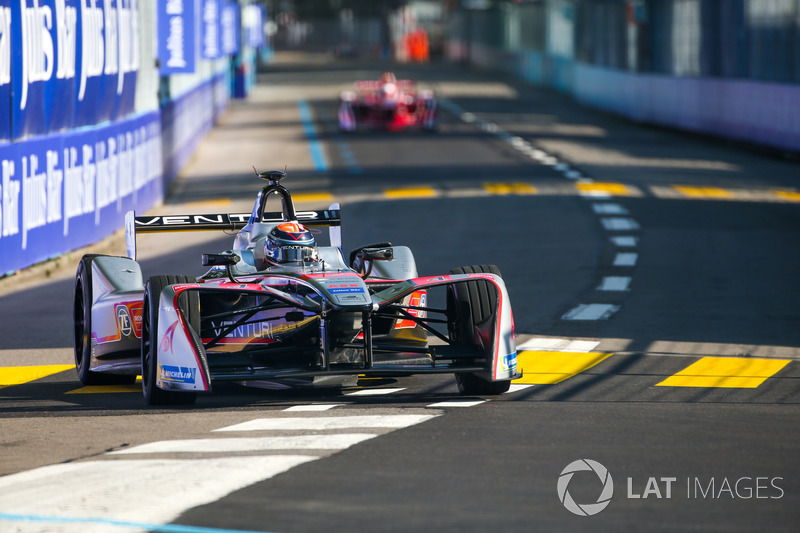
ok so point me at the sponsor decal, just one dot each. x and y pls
(229, 28)
(166, 340)
(345, 288)
(184, 286)
(508, 363)
(245, 333)
(124, 321)
(351, 298)
(418, 299)
(135, 310)
(176, 36)
(177, 374)
(129, 322)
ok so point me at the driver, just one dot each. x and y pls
(389, 89)
(290, 242)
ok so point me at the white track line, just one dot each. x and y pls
(96, 496)
(329, 422)
(545, 344)
(625, 241)
(626, 259)
(516, 387)
(619, 223)
(615, 283)
(458, 403)
(315, 407)
(337, 441)
(373, 392)
(609, 209)
(591, 312)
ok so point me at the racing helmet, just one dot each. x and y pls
(290, 242)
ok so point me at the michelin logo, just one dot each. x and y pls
(178, 374)
(508, 363)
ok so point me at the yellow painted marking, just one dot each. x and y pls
(614, 189)
(733, 372)
(410, 192)
(792, 196)
(703, 192)
(17, 375)
(312, 197)
(541, 368)
(95, 389)
(517, 187)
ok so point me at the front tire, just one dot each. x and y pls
(473, 303)
(152, 394)
(82, 329)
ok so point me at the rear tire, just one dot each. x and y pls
(152, 394)
(468, 305)
(82, 330)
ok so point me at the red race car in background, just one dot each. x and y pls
(387, 103)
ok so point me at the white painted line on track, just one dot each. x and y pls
(329, 422)
(619, 223)
(373, 392)
(315, 407)
(609, 209)
(625, 241)
(595, 194)
(615, 283)
(127, 495)
(458, 403)
(337, 441)
(626, 259)
(591, 312)
(544, 344)
(517, 387)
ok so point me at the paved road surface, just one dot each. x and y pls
(653, 280)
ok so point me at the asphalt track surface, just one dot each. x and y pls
(630, 253)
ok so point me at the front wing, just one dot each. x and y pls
(183, 362)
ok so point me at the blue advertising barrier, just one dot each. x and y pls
(186, 120)
(5, 70)
(61, 192)
(176, 37)
(210, 44)
(74, 64)
(229, 21)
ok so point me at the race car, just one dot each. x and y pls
(280, 309)
(389, 104)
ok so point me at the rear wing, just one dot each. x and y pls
(330, 218)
